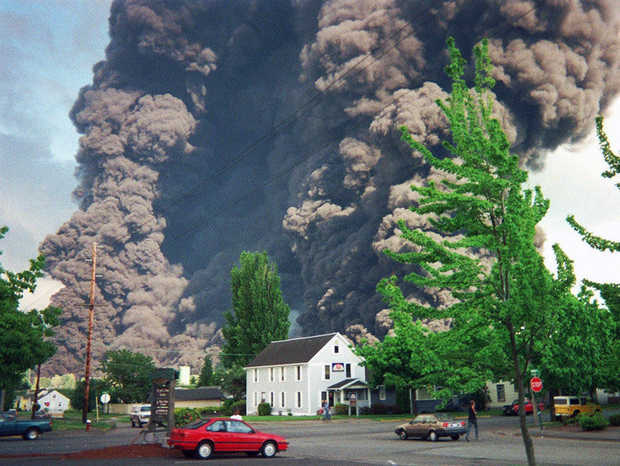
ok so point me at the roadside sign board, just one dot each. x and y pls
(105, 398)
(536, 384)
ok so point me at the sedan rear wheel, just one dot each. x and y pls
(402, 435)
(204, 450)
(454, 437)
(432, 436)
(269, 449)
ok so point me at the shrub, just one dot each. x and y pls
(614, 420)
(184, 416)
(341, 409)
(264, 409)
(209, 411)
(595, 421)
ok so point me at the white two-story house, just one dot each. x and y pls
(295, 375)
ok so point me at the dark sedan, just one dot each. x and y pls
(431, 427)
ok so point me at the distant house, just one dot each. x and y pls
(295, 375)
(501, 393)
(52, 401)
(198, 397)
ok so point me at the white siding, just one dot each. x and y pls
(312, 382)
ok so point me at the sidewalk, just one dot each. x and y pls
(610, 434)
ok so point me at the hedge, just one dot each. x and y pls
(614, 420)
(594, 421)
(184, 416)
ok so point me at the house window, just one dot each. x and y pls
(271, 374)
(348, 370)
(282, 374)
(255, 375)
(298, 373)
(272, 399)
(255, 399)
(336, 349)
(501, 392)
(382, 396)
(327, 371)
(323, 397)
(282, 399)
(299, 399)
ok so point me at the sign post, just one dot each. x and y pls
(536, 386)
(105, 399)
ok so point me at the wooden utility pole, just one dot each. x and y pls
(91, 315)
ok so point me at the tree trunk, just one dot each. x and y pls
(35, 400)
(2, 391)
(527, 440)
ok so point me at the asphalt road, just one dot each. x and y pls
(344, 443)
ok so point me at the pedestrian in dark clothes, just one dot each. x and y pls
(471, 420)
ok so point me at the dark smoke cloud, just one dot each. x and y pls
(177, 176)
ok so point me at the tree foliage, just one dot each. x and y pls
(96, 388)
(486, 260)
(128, 374)
(23, 342)
(610, 292)
(259, 314)
(206, 373)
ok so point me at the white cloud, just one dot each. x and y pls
(572, 181)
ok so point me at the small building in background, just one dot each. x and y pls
(51, 401)
(184, 375)
(200, 397)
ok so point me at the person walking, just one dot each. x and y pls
(326, 414)
(471, 420)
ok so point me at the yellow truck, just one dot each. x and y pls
(573, 405)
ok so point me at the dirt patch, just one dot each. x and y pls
(125, 451)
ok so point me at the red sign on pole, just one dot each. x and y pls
(536, 384)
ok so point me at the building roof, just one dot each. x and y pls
(292, 351)
(198, 394)
(348, 383)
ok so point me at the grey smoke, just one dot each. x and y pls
(189, 153)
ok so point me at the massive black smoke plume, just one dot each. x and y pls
(214, 127)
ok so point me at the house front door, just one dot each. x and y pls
(330, 394)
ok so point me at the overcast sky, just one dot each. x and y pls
(47, 50)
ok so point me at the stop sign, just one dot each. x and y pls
(536, 384)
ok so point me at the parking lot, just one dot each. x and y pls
(345, 442)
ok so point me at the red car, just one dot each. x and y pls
(513, 409)
(224, 435)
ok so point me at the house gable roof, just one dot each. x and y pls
(348, 383)
(198, 394)
(292, 351)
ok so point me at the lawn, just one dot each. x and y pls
(72, 420)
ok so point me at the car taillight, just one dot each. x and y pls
(463, 423)
(445, 424)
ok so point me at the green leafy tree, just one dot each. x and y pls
(206, 373)
(259, 314)
(413, 357)
(610, 292)
(128, 374)
(487, 260)
(23, 342)
(96, 388)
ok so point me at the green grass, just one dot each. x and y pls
(72, 420)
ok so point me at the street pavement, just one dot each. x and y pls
(349, 442)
